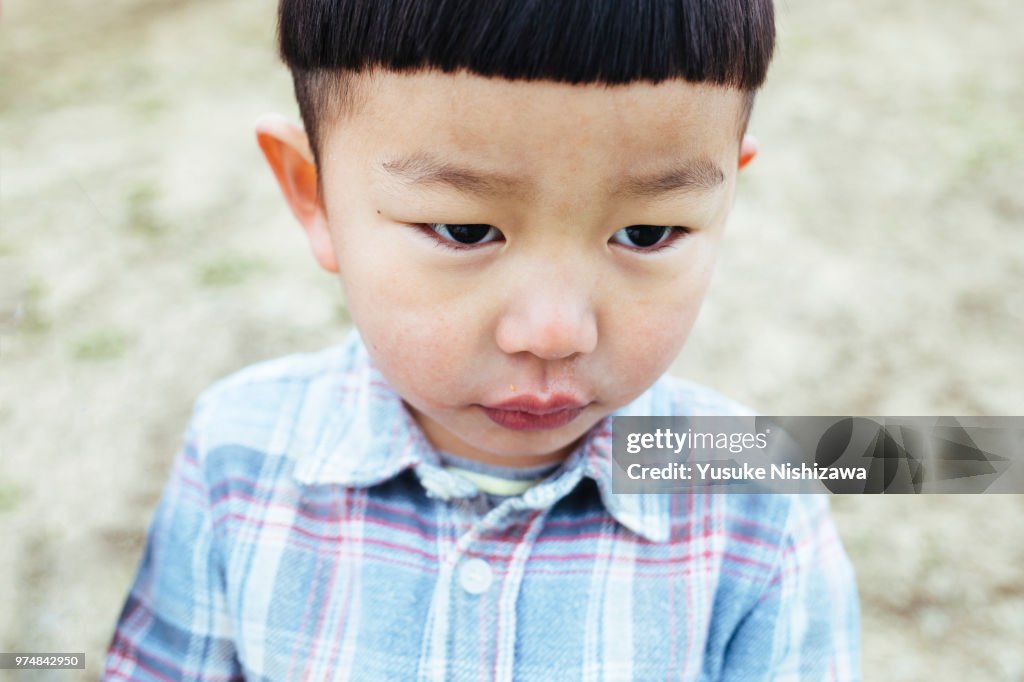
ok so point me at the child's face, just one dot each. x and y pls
(557, 305)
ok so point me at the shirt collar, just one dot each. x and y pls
(361, 434)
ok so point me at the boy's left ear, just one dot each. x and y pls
(748, 150)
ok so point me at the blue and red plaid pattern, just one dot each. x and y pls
(309, 532)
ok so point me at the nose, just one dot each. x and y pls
(550, 317)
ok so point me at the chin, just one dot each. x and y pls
(534, 442)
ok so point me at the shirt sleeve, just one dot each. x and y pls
(806, 625)
(175, 624)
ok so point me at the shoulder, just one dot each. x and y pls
(274, 375)
(764, 524)
(771, 541)
(784, 519)
(268, 407)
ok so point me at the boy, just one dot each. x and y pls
(523, 202)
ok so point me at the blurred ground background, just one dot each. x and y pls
(874, 265)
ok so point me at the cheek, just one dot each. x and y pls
(648, 332)
(406, 321)
(652, 342)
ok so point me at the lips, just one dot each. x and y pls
(531, 413)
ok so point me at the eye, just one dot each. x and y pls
(460, 236)
(648, 237)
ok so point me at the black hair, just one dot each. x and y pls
(721, 42)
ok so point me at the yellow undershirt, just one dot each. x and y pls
(495, 485)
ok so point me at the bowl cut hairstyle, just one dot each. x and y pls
(323, 42)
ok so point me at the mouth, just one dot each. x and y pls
(532, 413)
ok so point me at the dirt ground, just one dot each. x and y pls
(874, 265)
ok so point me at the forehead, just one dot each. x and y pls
(537, 129)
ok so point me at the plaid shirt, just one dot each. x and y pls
(309, 532)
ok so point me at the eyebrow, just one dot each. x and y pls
(698, 175)
(423, 169)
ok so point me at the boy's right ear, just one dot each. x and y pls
(286, 148)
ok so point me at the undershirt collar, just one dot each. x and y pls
(496, 479)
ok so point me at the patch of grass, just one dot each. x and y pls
(20, 312)
(11, 312)
(10, 496)
(32, 320)
(229, 270)
(992, 133)
(141, 216)
(149, 107)
(100, 345)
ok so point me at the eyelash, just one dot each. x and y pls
(676, 232)
(429, 231)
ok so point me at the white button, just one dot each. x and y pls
(475, 576)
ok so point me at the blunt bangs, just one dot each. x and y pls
(721, 42)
